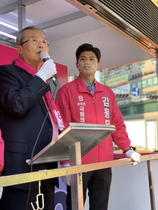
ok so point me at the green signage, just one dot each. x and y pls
(145, 83)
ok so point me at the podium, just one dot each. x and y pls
(73, 143)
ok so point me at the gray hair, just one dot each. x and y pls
(20, 34)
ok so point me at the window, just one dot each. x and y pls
(128, 68)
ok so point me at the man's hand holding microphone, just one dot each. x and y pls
(48, 69)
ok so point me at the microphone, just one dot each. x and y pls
(44, 56)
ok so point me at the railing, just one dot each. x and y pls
(46, 174)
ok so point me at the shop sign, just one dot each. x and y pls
(117, 81)
(145, 83)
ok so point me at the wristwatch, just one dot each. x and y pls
(127, 149)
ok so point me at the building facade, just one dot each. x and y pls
(136, 89)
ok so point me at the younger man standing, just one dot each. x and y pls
(85, 100)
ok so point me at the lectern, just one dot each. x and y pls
(72, 144)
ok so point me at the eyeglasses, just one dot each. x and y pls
(36, 41)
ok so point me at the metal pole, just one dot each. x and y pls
(76, 179)
(151, 185)
(21, 15)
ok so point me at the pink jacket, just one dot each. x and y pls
(1, 152)
(77, 104)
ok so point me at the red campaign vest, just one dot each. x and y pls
(1, 152)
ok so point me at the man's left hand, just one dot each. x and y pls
(134, 155)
